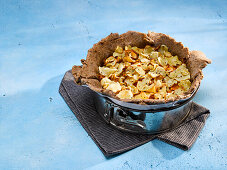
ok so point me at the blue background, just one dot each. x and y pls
(40, 40)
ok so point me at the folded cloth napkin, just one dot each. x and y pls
(113, 141)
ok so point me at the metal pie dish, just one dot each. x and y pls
(143, 119)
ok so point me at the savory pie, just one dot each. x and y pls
(141, 68)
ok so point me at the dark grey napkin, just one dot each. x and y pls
(112, 141)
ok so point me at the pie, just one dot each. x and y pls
(141, 68)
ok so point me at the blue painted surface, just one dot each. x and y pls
(40, 40)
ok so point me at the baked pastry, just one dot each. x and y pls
(101, 53)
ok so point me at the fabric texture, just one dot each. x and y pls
(112, 141)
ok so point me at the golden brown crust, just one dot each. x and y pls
(88, 73)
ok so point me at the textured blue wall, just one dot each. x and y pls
(40, 40)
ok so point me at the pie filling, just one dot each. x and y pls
(144, 73)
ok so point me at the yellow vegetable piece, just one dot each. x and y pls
(119, 50)
(154, 55)
(125, 94)
(105, 82)
(169, 82)
(162, 49)
(173, 61)
(140, 71)
(106, 71)
(185, 84)
(114, 86)
(142, 95)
